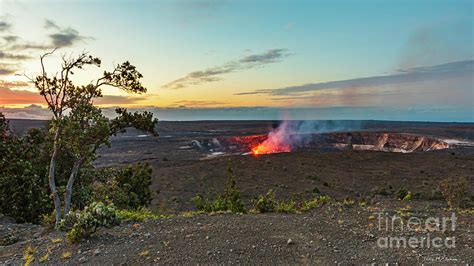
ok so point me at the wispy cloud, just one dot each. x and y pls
(4, 55)
(63, 37)
(117, 99)
(9, 96)
(10, 38)
(4, 26)
(59, 37)
(8, 69)
(409, 75)
(192, 103)
(214, 73)
(12, 94)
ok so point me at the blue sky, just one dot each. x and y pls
(223, 55)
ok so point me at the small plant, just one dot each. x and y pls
(348, 202)
(48, 220)
(401, 193)
(264, 203)
(286, 207)
(44, 258)
(29, 254)
(56, 240)
(408, 196)
(453, 190)
(404, 211)
(82, 224)
(66, 255)
(138, 215)
(314, 203)
(229, 201)
(144, 253)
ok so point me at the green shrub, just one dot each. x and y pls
(24, 193)
(229, 201)
(286, 207)
(314, 203)
(82, 224)
(453, 190)
(408, 196)
(127, 188)
(24, 188)
(269, 203)
(48, 220)
(138, 215)
(401, 193)
(264, 203)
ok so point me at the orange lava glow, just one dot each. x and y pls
(269, 146)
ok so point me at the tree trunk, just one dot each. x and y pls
(51, 177)
(70, 183)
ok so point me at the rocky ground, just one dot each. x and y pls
(340, 232)
(334, 233)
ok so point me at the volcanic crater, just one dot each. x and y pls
(375, 141)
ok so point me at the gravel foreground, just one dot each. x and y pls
(331, 234)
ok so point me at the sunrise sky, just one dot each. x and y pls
(242, 59)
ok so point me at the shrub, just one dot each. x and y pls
(408, 196)
(82, 224)
(138, 215)
(214, 203)
(286, 207)
(24, 193)
(268, 203)
(48, 220)
(314, 203)
(127, 188)
(264, 203)
(29, 254)
(229, 201)
(453, 190)
(401, 193)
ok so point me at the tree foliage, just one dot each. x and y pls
(78, 125)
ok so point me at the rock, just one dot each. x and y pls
(289, 242)
(207, 237)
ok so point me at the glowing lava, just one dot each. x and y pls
(277, 141)
(268, 147)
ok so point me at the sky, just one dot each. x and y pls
(242, 59)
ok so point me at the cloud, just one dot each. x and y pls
(10, 38)
(4, 26)
(65, 38)
(115, 99)
(10, 97)
(60, 37)
(438, 41)
(4, 55)
(48, 24)
(29, 112)
(433, 113)
(192, 103)
(403, 76)
(8, 69)
(214, 73)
